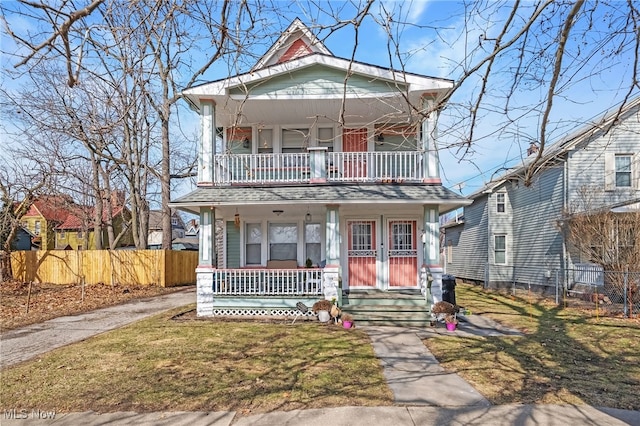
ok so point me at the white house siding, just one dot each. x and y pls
(590, 164)
(470, 242)
(536, 240)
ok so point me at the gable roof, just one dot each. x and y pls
(557, 149)
(54, 208)
(296, 41)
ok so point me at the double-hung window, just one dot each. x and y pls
(501, 202)
(312, 238)
(253, 247)
(295, 140)
(500, 249)
(283, 241)
(623, 171)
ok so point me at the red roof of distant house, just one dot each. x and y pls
(82, 217)
(52, 208)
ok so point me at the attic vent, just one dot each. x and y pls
(297, 49)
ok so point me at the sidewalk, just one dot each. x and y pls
(424, 393)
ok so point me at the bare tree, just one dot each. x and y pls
(20, 184)
(512, 62)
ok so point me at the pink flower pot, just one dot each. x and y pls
(346, 324)
(451, 326)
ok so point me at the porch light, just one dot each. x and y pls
(307, 217)
(380, 138)
(236, 219)
(278, 212)
(246, 143)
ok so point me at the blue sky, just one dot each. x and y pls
(436, 43)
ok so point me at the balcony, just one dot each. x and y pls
(319, 166)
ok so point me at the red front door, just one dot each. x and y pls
(354, 141)
(362, 253)
(402, 253)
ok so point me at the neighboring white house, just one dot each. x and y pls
(513, 233)
(296, 186)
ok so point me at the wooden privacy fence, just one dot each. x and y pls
(163, 268)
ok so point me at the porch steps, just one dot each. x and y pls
(392, 308)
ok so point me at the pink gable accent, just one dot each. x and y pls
(298, 49)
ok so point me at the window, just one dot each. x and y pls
(500, 202)
(295, 140)
(500, 249)
(80, 234)
(361, 236)
(265, 141)
(63, 234)
(253, 247)
(402, 236)
(623, 171)
(449, 251)
(38, 228)
(312, 242)
(325, 138)
(239, 140)
(283, 241)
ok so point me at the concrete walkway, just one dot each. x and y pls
(28, 342)
(424, 393)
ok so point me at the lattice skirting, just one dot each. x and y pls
(281, 312)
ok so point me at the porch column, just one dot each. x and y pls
(428, 135)
(207, 149)
(432, 270)
(331, 283)
(206, 270)
(318, 164)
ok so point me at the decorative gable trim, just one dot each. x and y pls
(296, 33)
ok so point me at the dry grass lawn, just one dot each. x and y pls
(566, 356)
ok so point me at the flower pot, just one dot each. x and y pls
(451, 326)
(346, 324)
(323, 316)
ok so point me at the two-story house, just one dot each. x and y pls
(178, 228)
(42, 218)
(324, 174)
(513, 233)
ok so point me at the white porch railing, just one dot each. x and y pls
(398, 166)
(268, 282)
(317, 166)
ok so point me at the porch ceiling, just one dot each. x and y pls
(357, 111)
(232, 197)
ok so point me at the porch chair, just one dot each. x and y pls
(302, 310)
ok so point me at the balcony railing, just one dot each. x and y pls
(268, 282)
(319, 166)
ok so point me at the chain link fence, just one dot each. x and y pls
(586, 286)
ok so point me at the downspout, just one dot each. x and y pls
(565, 206)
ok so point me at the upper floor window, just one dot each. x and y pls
(295, 140)
(38, 227)
(623, 171)
(325, 138)
(265, 141)
(500, 202)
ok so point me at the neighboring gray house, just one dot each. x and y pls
(154, 240)
(22, 240)
(512, 232)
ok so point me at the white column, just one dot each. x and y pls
(207, 141)
(207, 250)
(331, 272)
(431, 253)
(431, 166)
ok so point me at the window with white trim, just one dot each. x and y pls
(283, 241)
(312, 242)
(501, 202)
(295, 140)
(38, 228)
(253, 244)
(325, 138)
(623, 170)
(265, 141)
(500, 249)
